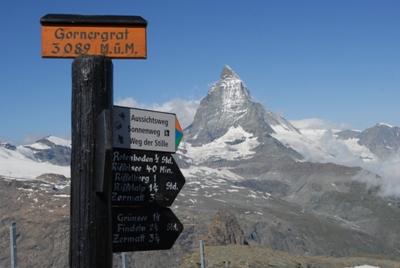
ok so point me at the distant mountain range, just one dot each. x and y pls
(382, 140)
(47, 155)
(305, 191)
(236, 128)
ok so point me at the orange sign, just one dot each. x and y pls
(114, 41)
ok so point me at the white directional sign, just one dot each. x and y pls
(145, 130)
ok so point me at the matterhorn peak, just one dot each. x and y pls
(230, 90)
(228, 105)
(228, 73)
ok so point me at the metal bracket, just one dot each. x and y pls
(103, 152)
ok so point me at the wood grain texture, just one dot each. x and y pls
(90, 234)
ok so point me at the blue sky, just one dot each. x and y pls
(334, 60)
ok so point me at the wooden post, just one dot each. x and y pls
(90, 231)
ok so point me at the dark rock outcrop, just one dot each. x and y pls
(224, 230)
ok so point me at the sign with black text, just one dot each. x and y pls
(145, 130)
(69, 36)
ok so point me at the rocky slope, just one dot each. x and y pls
(41, 214)
(235, 256)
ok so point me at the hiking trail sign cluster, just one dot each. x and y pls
(145, 179)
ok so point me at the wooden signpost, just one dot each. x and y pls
(145, 179)
(120, 188)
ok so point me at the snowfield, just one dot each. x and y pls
(21, 163)
(235, 144)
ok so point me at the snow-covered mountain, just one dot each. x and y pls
(382, 140)
(228, 105)
(47, 155)
(372, 145)
(229, 130)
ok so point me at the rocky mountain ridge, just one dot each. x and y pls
(228, 106)
(53, 150)
(47, 155)
(381, 139)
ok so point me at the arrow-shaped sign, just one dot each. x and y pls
(140, 229)
(145, 130)
(144, 178)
